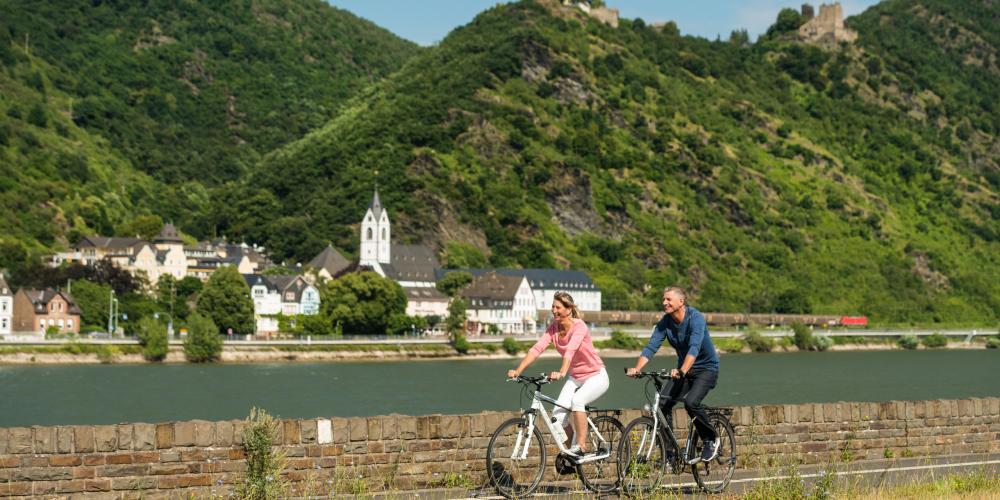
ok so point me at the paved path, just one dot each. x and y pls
(864, 474)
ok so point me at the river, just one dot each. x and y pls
(104, 394)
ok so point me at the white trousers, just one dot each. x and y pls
(577, 395)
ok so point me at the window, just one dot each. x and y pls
(3, 306)
(3, 323)
(383, 234)
(69, 323)
(290, 296)
(369, 234)
(61, 323)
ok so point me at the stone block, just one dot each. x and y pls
(65, 460)
(44, 487)
(204, 433)
(450, 427)
(307, 431)
(106, 437)
(19, 440)
(144, 437)
(358, 429)
(133, 483)
(84, 472)
(83, 439)
(374, 425)
(124, 437)
(238, 426)
(291, 433)
(224, 433)
(93, 459)
(123, 470)
(183, 435)
(41, 474)
(119, 459)
(164, 436)
(341, 428)
(44, 439)
(324, 431)
(407, 427)
(8, 489)
(72, 486)
(95, 485)
(145, 457)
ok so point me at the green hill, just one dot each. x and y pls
(772, 177)
(115, 110)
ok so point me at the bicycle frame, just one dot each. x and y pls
(537, 408)
(659, 419)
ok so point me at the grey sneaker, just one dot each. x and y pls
(710, 450)
(574, 451)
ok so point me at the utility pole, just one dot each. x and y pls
(173, 296)
(111, 311)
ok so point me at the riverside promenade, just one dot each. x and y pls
(398, 455)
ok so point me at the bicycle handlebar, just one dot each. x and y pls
(539, 381)
(663, 374)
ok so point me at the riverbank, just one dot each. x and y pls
(73, 354)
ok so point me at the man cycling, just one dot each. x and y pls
(685, 329)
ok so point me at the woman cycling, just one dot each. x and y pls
(588, 379)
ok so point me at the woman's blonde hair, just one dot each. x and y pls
(567, 301)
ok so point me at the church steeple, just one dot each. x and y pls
(375, 234)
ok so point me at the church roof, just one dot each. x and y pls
(168, 234)
(376, 206)
(411, 263)
(492, 287)
(331, 260)
(4, 288)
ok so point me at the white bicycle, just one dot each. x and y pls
(515, 457)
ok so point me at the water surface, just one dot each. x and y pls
(101, 394)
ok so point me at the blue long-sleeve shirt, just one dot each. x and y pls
(689, 337)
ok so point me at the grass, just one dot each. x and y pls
(977, 484)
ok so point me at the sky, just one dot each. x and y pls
(428, 21)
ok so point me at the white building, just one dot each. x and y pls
(545, 283)
(6, 307)
(280, 295)
(505, 302)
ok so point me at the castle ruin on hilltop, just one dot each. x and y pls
(600, 12)
(827, 28)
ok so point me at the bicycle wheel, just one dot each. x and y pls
(515, 458)
(601, 476)
(714, 476)
(642, 456)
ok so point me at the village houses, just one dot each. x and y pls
(39, 310)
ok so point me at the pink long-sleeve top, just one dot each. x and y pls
(576, 344)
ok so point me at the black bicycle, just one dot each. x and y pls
(649, 446)
(515, 457)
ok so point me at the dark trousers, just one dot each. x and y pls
(691, 390)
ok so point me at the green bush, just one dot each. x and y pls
(153, 339)
(934, 340)
(203, 342)
(265, 464)
(822, 342)
(758, 342)
(511, 346)
(993, 343)
(803, 336)
(460, 343)
(731, 344)
(908, 342)
(622, 340)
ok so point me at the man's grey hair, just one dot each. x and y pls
(678, 291)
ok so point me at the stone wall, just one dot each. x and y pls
(400, 452)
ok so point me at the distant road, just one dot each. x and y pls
(599, 333)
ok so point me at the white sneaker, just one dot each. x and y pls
(574, 451)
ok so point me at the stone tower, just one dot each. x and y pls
(375, 234)
(828, 27)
